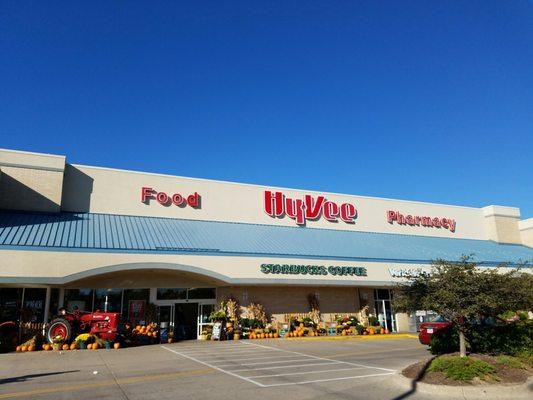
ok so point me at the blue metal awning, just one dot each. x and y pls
(120, 233)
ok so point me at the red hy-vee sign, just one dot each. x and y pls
(308, 208)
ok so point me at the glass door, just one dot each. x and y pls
(384, 309)
(203, 315)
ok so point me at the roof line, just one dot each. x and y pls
(299, 228)
(202, 252)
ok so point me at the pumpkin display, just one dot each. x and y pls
(31, 347)
(65, 347)
(23, 348)
(89, 346)
(73, 346)
(18, 348)
(116, 346)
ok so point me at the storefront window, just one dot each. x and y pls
(171, 294)
(33, 308)
(201, 293)
(113, 298)
(54, 303)
(134, 304)
(10, 303)
(382, 294)
(79, 298)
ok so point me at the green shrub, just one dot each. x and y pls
(511, 362)
(444, 341)
(511, 338)
(461, 368)
(360, 329)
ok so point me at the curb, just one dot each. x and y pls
(496, 392)
(357, 337)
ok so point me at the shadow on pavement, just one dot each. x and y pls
(415, 381)
(24, 378)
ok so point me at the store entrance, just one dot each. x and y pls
(384, 311)
(185, 321)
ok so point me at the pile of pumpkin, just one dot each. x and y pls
(299, 331)
(146, 330)
(30, 345)
(375, 330)
(262, 335)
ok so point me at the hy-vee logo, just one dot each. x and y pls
(277, 205)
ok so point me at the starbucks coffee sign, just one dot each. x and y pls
(301, 269)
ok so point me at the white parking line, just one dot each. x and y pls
(321, 358)
(286, 366)
(247, 352)
(229, 358)
(214, 367)
(303, 373)
(327, 380)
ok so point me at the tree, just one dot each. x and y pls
(462, 291)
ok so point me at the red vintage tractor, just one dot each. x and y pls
(69, 325)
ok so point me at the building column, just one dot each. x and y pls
(61, 299)
(47, 304)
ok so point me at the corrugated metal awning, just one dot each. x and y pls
(93, 232)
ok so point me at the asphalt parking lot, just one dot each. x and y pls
(303, 369)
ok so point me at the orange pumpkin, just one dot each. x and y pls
(73, 346)
(18, 348)
(96, 346)
(31, 347)
(276, 335)
(116, 346)
(89, 346)
(23, 348)
(386, 331)
(66, 347)
(170, 340)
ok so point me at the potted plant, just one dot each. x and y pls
(57, 342)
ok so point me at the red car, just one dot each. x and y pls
(427, 329)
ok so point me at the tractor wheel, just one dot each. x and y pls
(59, 327)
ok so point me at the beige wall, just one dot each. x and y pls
(119, 192)
(54, 267)
(501, 224)
(526, 232)
(31, 182)
(43, 182)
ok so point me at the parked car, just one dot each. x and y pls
(427, 329)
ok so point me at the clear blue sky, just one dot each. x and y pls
(429, 101)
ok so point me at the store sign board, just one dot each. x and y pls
(417, 220)
(311, 208)
(405, 272)
(147, 194)
(294, 269)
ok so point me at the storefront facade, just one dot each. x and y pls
(141, 243)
